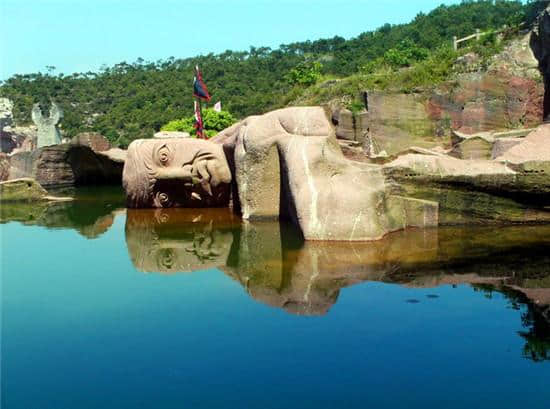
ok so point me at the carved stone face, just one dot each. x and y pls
(176, 173)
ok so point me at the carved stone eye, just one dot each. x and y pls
(163, 157)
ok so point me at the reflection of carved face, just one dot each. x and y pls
(178, 240)
(176, 173)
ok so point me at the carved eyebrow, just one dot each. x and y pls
(164, 145)
(200, 154)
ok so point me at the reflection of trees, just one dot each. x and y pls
(537, 338)
(537, 334)
(90, 213)
(534, 319)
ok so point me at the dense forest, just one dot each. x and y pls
(134, 100)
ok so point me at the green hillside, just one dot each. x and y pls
(133, 100)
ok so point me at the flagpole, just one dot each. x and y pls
(200, 110)
(200, 102)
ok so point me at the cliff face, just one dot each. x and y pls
(507, 95)
(540, 44)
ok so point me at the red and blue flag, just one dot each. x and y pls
(199, 87)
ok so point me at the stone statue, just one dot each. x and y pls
(48, 133)
(288, 164)
(176, 172)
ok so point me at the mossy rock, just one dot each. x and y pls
(24, 189)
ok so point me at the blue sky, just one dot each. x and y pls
(78, 35)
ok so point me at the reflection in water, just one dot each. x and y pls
(277, 268)
(91, 213)
(176, 240)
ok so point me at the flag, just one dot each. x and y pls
(199, 87)
(198, 121)
(218, 106)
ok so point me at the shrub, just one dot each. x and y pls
(405, 54)
(180, 125)
(306, 73)
(213, 122)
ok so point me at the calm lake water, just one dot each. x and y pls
(108, 308)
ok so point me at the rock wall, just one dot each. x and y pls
(509, 94)
(540, 43)
(514, 187)
(6, 119)
(14, 138)
(94, 140)
(62, 165)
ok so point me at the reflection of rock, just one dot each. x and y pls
(178, 240)
(176, 172)
(277, 268)
(65, 164)
(305, 277)
(288, 164)
(86, 214)
(4, 167)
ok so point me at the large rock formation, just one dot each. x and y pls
(288, 164)
(65, 164)
(94, 140)
(515, 187)
(24, 189)
(176, 172)
(505, 95)
(7, 144)
(540, 43)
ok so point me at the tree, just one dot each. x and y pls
(306, 73)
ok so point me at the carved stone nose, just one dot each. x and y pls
(174, 174)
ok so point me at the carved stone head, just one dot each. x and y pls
(176, 173)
